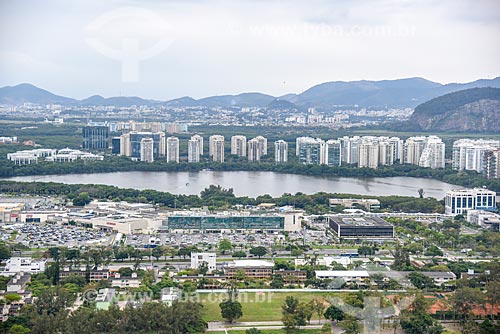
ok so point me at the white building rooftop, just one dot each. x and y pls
(251, 263)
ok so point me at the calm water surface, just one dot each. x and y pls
(253, 184)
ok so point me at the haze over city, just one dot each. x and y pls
(229, 47)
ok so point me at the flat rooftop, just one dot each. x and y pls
(342, 273)
(251, 263)
(470, 191)
(359, 221)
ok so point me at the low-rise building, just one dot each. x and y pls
(368, 203)
(459, 201)
(209, 259)
(121, 224)
(10, 212)
(27, 157)
(209, 281)
(348, 276)
(227, 223)
(125, 282)
(17, 264)
(353, 227)
(94, 275)
(69, 155)
(440, 277)
(250, 269)
(13, 309)
(8, 140)
(18, 283)
(483, 218)
(169, 295)
(325, 261)
(283, 219)
(292, 276)
(39, 216)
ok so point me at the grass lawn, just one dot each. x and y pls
(257, 306)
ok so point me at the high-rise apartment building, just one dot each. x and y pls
(280, 151)
(298, 141)
(175, 127)
(263, 144)
(254, 150)
(333, 153)
(311, 151)
(115, 145)
(371, 151)
(396, 145)
(130, 144)
(425, 151)
(491, 164)
(194, 149)
(469, 154)
(433, 155)
(95, 137)
(414, 146)
(368, 154)
(239, 145)
(385, 153)
(353, 149)
(172, 149)
(218, 149)
(139, 126)
(146, 149)
(125, 148)
(211, 143)
(199, 139)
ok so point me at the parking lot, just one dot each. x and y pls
(211, 240)
(43, 235)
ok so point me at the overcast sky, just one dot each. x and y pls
(168, 49)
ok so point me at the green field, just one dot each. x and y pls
(257, 306)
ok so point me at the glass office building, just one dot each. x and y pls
(95, 138)
(461, 200)
(224, 223)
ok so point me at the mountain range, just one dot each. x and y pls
(469, 110)
(399, 93)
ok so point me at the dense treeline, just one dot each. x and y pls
(50, 314)
(47, 135)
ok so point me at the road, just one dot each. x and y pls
(218, 326)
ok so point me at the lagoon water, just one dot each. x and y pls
(253, 184)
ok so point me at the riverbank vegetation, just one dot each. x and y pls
(215, 197)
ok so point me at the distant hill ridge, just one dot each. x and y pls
(475, 109)
(399, 93)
